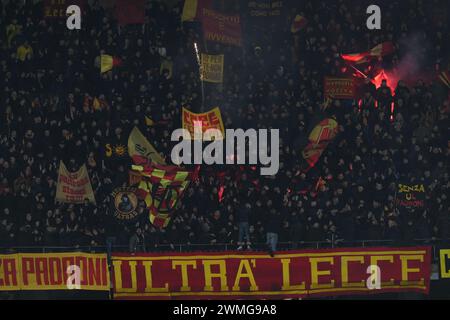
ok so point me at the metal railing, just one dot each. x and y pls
(281, 246)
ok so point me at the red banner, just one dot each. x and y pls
(130, 12)
(256, 275)
(339, 88)
(220, 27)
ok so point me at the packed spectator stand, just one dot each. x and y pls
(49, 72)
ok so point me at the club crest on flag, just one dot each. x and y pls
(125, 203)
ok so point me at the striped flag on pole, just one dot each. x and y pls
(161, 187)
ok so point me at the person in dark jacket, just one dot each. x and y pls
(137, 241)
(273, 229)
(244, 233)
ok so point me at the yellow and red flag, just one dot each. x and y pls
(380, 50)
(207, 120)
(99, 104)
(299, 23)
(140, 150)
(161, 187)
(107, 62)
(319, 138)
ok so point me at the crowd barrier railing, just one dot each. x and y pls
(281, 246)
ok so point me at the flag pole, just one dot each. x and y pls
(359, 71)
(197, 55)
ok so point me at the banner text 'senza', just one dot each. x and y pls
(294, 274)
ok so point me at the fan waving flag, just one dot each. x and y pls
(142, 151)
(319, 138)
(381, 50)
(161, 188)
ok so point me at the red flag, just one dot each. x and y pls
(319, 138)
(221, 190)
(380, 50)
(117, 61)
(221, 27)
(196, 173)
(130, 11)
(383, 49)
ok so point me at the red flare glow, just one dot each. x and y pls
(391, 81)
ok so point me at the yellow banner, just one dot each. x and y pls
(211, 69)
(139, 148)
(74, 187)
(444, 260)
(54, 271)
(189, 10)
(207, 120)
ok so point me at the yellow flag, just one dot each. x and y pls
(148, 121)
(211, 68)
(106, 63)
(96, 104)
(189, 10)
(166, 65)
(139, 147)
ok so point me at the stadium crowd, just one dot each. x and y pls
(49, 75)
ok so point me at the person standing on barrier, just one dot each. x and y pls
(137, 241)
(244, 230)
(273, 229)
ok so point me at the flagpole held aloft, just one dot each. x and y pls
(197, 55)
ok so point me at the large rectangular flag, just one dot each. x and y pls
(338, 88)
(74, 187)
(207, 120)
(130, 11)
(219, 27)
(142, 151)
(211, 68)
(161, 188)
